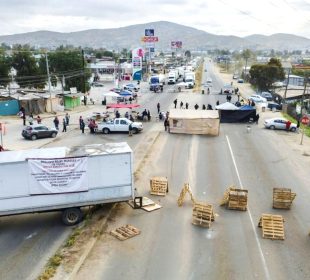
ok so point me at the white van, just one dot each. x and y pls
(172, 78)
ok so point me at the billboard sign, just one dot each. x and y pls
(149, 32)
(150, 39)
(137, 55)
(176, 44)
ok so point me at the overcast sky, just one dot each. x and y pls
(222, 17)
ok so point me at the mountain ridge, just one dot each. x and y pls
(130, 37)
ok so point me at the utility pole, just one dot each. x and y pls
(287, 82)
(83, 79)
(304, 92)
(49, 81)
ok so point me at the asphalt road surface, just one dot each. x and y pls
(169, 246)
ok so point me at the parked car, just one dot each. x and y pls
(97, 84)
(257, 98)
(117, 90)
(235, 76)
(228, 89)
(240, 81)
(37, 131)
(266, 95)
(131, 87)
(274, 106)
(279, 123)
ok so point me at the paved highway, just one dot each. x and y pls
(170, 247)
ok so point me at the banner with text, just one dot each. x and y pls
(61, 175)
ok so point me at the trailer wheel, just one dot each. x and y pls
(72, 216)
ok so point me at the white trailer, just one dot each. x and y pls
(65, 179)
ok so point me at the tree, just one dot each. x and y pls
(67, 65)
(5, 65)
(246, 54)
(188, 55)
(263, 76)
(28, 73)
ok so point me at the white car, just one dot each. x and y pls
(279, 123)
(258, 99)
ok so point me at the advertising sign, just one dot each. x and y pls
(176, 44)
(150, 39)
(149, 32)
(60, 175)
(137, 55)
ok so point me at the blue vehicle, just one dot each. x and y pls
(154, 83)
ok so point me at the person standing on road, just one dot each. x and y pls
(175, 103)
(39, 120)
(82, 124)
(196, 106)
(158, 108)
(186, 105)
(287, 126)
(181, 105)
(67, 118)
(256, 118)
(64, 125)
(30, 119)
(130, 130)
(56, 123)
(166, 124)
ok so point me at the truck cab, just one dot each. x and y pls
(172, 78)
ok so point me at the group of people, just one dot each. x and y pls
(175, 102)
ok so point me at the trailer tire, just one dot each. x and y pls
(72, 216)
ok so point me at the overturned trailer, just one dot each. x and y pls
(65, 179)
(194, 122)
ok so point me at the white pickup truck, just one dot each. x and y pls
(119, 125)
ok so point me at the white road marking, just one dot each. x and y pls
(267, 274)
(31, 235)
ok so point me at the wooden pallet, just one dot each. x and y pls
(237, 199)
(283, 198)
(225, 198)
(186, 189)
(272, 226)
(125, 232)
(203, 214)
(159, 186)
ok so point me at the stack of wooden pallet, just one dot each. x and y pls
(186, 189)
(283, 198)
(203, 214)
(237, 199)
(272, 226)
(159, 186)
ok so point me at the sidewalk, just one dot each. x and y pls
(13, 140)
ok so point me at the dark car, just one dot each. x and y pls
(274, 106)
(267, 95)
(34, 132)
